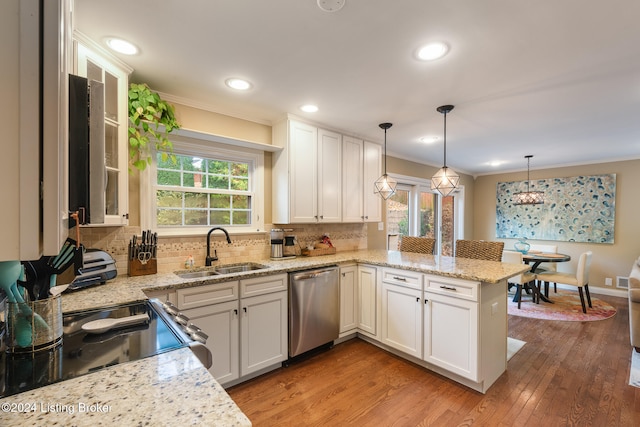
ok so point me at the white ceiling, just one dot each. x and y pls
(556, 79)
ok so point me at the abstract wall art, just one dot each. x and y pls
(575, 209)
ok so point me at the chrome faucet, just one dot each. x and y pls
(209, 258)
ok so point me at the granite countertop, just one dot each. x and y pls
(174, 387)
(125, 289)
(171, 388)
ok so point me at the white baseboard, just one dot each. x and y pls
(622, 293)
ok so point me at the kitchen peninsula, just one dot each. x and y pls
(174, 384)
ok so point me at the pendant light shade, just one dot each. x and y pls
(385, 186)
(528, 197)
(446, 179)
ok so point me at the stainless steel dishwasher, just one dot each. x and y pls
(314, 309)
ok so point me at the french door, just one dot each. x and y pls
(414, 210)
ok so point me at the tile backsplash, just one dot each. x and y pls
(173, 251)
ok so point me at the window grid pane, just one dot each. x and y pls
(196, 191)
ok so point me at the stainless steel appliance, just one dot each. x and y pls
(277, 238)
(81, 352)
(314, 309)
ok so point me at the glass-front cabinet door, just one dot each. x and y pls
(96, 64)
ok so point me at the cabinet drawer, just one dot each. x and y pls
(407, 278)
(263, 285)
(200, 296)
(457, 288)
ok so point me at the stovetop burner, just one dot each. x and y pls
(81, 353)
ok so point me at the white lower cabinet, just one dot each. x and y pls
(221, 323)
(246, 322)
(348, 299)
(263, 331)
(451, 326)
(367, 300)
(402, 318)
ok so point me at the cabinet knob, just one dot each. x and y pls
(321, 216)
(235, 311)
(366, 217)
(417, 299)
(244, 309)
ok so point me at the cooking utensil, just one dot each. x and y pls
(103, 325)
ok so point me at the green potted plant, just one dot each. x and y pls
(150, 119)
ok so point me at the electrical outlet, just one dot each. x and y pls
(380, 226)
(608, 281)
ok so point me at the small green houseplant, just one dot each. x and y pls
(148, 115)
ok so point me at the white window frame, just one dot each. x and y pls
(187, 146)
(416, 186)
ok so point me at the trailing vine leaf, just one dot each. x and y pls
(151, 120)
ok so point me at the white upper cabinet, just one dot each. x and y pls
(94, 64)
(323, 176)
(360, 169)
(329, 176)
(307, 177)
(352, 179)
(372, 168)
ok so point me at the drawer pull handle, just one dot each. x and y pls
(417, 299)
(235, 311)
(403, 279)
(449, 288)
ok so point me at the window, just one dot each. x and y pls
(209, 185)
(415, 210)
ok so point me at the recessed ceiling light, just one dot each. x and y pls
(238, 84)
(429, 139)
(432, 51)
(495, 163)
(309, 108)
(331, 5)
(122, 46)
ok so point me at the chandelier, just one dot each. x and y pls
(445, 180)
(528, 197)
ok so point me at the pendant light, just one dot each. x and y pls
(445, 180)
(385, 186)
(529, 197)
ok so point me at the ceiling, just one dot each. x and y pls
(556, 79)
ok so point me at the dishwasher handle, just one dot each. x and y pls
(312, 274)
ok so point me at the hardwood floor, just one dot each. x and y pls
(568, 374)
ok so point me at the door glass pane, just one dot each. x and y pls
(94, 72)
(111, 145)
(398, 213)
(112, 193)
(110, 96)
(448, 221)
(427, 215)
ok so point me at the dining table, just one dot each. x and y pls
(535, 258)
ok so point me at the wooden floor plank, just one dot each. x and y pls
(568, 374)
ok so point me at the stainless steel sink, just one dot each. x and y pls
(196, 274)
(221, 269)
(238, 268)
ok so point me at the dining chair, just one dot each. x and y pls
(522, 281)
(479, 249)
(423, 245)
(579, 279)
(546, 266)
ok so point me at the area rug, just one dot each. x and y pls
(634, 375)
(566, 307)
(513, 346)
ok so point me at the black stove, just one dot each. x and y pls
(81, 353)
